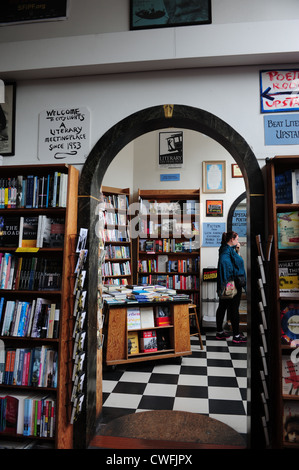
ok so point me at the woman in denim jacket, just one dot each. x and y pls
(230, 267)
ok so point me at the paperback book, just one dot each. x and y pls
(288, 272)
(148, 341)
(288, 230)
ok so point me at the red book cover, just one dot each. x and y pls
(148, 342)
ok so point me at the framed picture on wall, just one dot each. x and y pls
(145, 14)
(214, 176)
(214, 208)
(236, 172)
(171, 149)
(28, 11)
(7, 121)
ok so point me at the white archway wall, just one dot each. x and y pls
(136, 166)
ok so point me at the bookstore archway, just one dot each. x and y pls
(100, 157)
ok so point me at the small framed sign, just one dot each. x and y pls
(214, 208)
(236, 172)
(213, 177)
(28, 11)
(171, 149)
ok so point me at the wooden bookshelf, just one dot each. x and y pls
(177, 332)
(281, 335)
(168, 248)
(62, 297)
(117, 267)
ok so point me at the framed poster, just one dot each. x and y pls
(27, 11)
(145, 14)
(214, 208)
(236, 172)
(171, 149)
(7, 121)
(214, 177)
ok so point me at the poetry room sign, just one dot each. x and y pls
(64, 133)
(279, 90)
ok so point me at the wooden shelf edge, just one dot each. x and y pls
(150, 328)
(147, 357)
(290, 397)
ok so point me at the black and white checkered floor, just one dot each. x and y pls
(211, 381)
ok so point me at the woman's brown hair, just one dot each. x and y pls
(227, 236)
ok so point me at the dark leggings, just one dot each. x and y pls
(232, 307)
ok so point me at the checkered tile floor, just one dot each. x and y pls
(211, 382)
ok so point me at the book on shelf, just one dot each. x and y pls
(118, 252)
(116, 269)
(33, 414)
(38, 318)
(288, 230)
(287, 187)
(147, 317)
(9, 231)
(167, 245)
(32, 367)
(116, 201)
(162, 315)
(291, 422)
(8, 192)
(41, 231)
(31, 191)
(183, 206)
(290, 376)
(163, 340)
(133, 318)
(28, 232)
(288, 272)
(50, 232)
(29, 273)
(133, 343)
(148, 341)
(289, 315)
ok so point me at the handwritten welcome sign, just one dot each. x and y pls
(63, 133)
(279, 90)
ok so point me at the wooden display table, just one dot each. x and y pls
(177, 333)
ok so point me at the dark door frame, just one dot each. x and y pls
(100, 157)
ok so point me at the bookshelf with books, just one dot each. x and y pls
(168, 247)
(117, 267)
(38, 226)
(138, 332)
(283, 224)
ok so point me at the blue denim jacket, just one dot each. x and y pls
(230, 265)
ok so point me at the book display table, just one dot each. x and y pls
(149, 338)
